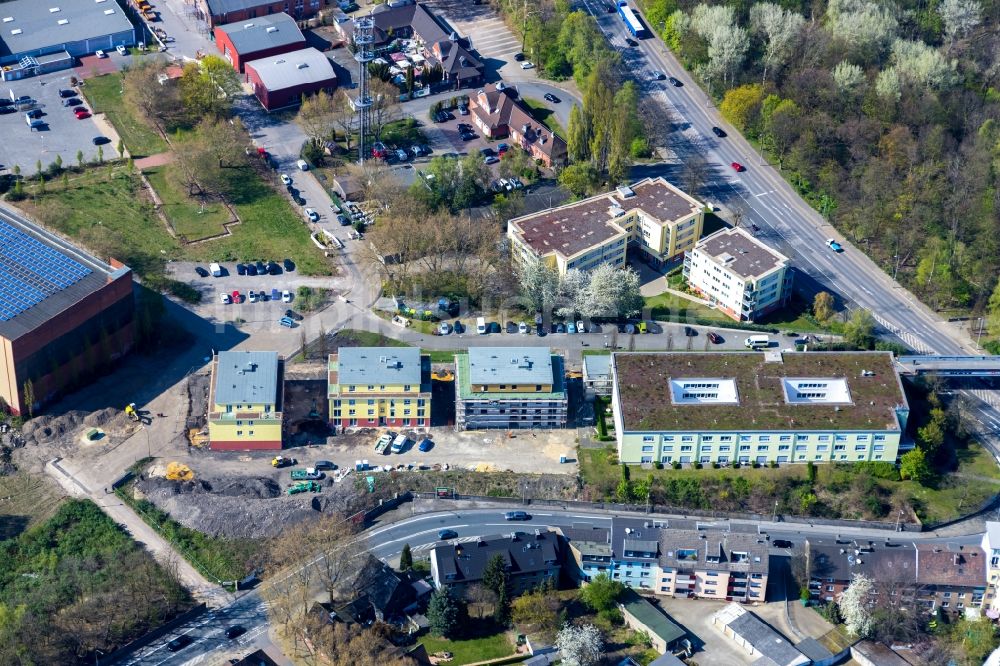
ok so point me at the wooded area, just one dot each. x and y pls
(79, 583)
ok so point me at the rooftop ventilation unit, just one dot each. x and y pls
(302, 65)
(109, 12)
(16, 31)
(62, 21)
(272, 28)
(53, 10)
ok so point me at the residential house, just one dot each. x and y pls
(499, 114)
(258, 38)
(745, 407)
(531, 559)
(757, 638)
(510, 388)
(375, 593)
(245, 401)
(739, 274)
(651, 217)
(597, 374)
(951, 577)
(589, 551)
(219, 12)
(379, 387)
(991, 548)
(640, 615)
(713, 564)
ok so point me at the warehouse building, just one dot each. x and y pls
(38, 37)
(379, 386)
(510, 388)
(757, 407)
(245, 401)
(220, 12)
(255, 39)
(63, 314)
(281, 81)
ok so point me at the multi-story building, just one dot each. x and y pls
(991, 548)
(740, 275)
(245, 398)
(589, 552)
(532, 559)
(379, 386)
(64, 315)
(510, 388)
(597, 374)
(757, 407)
(651, 216)
(947, 577)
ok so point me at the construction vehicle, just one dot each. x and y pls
(179, 472)
(309, 474)
(304, 487)
(382, 445)
(282, 461)
(130, 412)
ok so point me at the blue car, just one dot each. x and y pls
(571, 327)
(447, 534)
(425, 446)
(834, 245)
(286, 322)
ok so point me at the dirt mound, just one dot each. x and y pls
(101, 417)
(257, 487)
(44, 429)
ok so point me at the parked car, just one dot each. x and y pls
(458, 327)
(714, 338)
(312, 215)
(324, 464)
(235, 631)
(549, 97)
(251, 269)
(834, 245)
(67, 92)
(674, 82)
(100, 140)
(516, 515)
(425, 445)
(781, 543)
(401, 155)
(72, 101)
(631, 42)
(121, 49)
(100, 54)
(261, 268)
(519, 57)
(571, 327)
(225, 299)
(444, 328)
(236, 297)
(492, 159)
(527, 64)
(559, 328)
(288, 264)
(34, 113)
(690, 332)
(522, 328)
(447, 534)
(719, 132)
(286, 296)
(286, 181)
(467, 135)
(463, 110)
(81, 115)
(486, 152)
(737, 167)
(251, 296)
(580, 328)
(292, 314)
(286, 322)
(657, 75)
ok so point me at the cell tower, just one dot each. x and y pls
(364, 40)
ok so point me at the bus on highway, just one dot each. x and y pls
(632, 21)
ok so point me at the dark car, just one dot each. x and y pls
(241, 269)
(200, 271)
(781, 543)
(519, 57)
(251, 270)
(72, 101)
(516, 515)
(34, 113)
(179, 643)
(610, 9)
(631, 42)
(549, 97)
(718, 131)
(458, 327)
(425, 445)
(261, 268)
(234, 631)
(7, 109)
(690, 332)
(467, 136)
(288, 264)
(6, 102)
(100, 140)
(714, 338)
(292, 314)
(65, 92)
(447, 534)
(324, 464)
(674, 82)
(273, 268)
(487, 152)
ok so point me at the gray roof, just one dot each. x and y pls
(729, 551)
(510, 365)
(265, 32)
(41, 28)
(666, 660)
(523, 552)
(295, 68)
(246, 378)
(379, 365)
(840, 559)
(27, 253)
(594, 541)
(220, 7)
(765, 640)
(597, 365)
(424, 23)
(649, 615)
(740, 253)
(813, 649)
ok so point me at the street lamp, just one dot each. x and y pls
(96, 662)
(149, 453)
(774, 517)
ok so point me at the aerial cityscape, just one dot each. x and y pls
(482, 332)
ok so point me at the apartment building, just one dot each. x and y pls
(510, 388)
(245, 398)
(588, 552)
(379, 387)
(740, 275)
(653, 217)
(597, 374)
(531, 559)
(938, 576)
(991, 548)
(762, 407)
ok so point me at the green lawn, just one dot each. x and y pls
(403, 132)
(471, 650)
(189, 218)
(104, 95)
(541, 112)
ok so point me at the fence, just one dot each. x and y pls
(145, 640)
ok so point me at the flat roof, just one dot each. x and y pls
(650, 616)
(218, 7)
(643, 388)
(597, 365)
(265, 32)
(41, 275)
(30, 25)
(375, 366)
(295, 68)
(740, 253)
(466, 391)
(246, 378)
(510, 365)
(573, 228)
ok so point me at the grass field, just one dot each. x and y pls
(541, 112)
(104, 95)
(187, 216)
(26, 501)
(472, 650)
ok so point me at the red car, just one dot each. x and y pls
(236, 297)
(80, 115)
(714, 337)
(737, 167)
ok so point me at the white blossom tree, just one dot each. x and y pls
(539, 283)
(580, 645)
(572, 293)
(887, 84)
(867, 27)
(922, 65)
(853, 604)
(780, 29)
(727, 42)
(960, 17)
(848, 76)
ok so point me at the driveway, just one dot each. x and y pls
(711, 645)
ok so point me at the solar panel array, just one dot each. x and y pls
(31, 271)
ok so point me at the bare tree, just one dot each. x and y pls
(385, 105)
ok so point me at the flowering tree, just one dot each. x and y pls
(853, 604)
(580, 645)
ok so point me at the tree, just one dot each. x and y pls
(385, 106)
(993, 311)
(344, 117)
(207, 88)
(602, 592)
(740, 105)
(79, 159)
(539, 283)
(316, 116)
(580, 179)
(578, 135)
(29, 397)
(853, 604)
(823, 306)
(960, 18)
(538, 609)
(860, 329)
(443, 613)
(495, 574)
(143, 93)
(580, 645)
(913, 465)
(405, 557)
(780, 28)
(865, 28)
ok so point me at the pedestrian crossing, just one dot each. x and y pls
(908, 339)
(991, 398)
(430, 546)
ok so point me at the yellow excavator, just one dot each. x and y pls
(130, 412)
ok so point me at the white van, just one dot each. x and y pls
(481, 325)
(302, 165)
(215, 269)
(757, 342)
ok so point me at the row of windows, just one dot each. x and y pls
(371, 412)
(371, 387)
(352, 402)
(746, 459)
(765, 438)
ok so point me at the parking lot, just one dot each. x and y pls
(62, 133)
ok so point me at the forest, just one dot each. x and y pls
(78, 584)
(883, 115)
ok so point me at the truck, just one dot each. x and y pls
(308, 474)
(382, 445)
(282, 461)
(304, 487)
(632, 22)
(757, 342)
(399, 443)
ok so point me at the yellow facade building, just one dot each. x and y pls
(245, 399)
(379, 386)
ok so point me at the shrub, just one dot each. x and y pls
(756, 465)
(736, 465)
(773, 464)
(715, 465)
(658, 465)
(697, 465)
(676, 465)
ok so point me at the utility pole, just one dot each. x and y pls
(774, 516)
